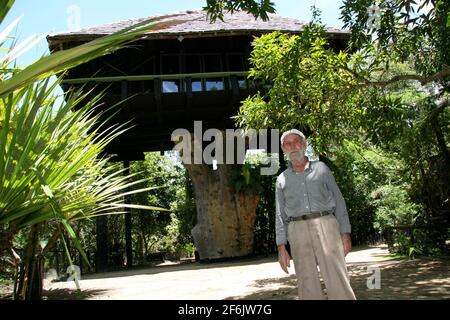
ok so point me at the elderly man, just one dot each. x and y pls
(311, 214)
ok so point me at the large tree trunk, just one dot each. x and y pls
(225, 217)
(30, 282)
(7, 234)
(440, 135)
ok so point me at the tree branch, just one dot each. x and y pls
(404, 77)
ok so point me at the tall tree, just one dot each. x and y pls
(398, 50)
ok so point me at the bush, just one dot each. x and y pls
(395, 216)
(393, 207)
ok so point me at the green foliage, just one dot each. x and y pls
(396, 219)
(307, 84)
(393, 207)
(264, 235)
(365, 93)
(186, 215)
(247, 177)
(360, 168)
(327, 93)
(413, 251)
(215, 9)
(49, 165)
(406, 31)
(160, 231)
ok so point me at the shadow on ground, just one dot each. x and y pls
(62, 294)
(402, 279)
(185, 266)
(399, 279)
(271, 289)
(69, 294)
(418, 279)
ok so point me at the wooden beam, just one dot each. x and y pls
(159, 76)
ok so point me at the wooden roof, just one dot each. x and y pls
(193, 23)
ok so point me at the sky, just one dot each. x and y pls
(40, 17)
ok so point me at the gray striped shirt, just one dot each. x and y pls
(313, 190)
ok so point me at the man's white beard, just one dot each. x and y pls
(297, 156)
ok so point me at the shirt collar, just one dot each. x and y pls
(308, 164)
(307, 167)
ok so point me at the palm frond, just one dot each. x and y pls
(5, 5)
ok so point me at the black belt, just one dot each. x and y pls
(310, 216)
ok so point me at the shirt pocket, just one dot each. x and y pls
(318, 191)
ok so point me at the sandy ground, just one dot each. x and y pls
(261, 279)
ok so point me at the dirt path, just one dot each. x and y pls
(262, 279)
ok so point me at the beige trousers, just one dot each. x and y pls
(318, 242)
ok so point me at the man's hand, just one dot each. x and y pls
(346, 242)
(284, 258)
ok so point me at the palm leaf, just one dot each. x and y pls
(50, 169)
(5, 5)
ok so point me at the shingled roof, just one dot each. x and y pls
(193, 23)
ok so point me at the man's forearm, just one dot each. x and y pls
(346, 242)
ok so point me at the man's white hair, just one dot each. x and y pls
(292, 131)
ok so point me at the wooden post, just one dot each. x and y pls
(128, 244)
(158, 100)
(102, 244)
